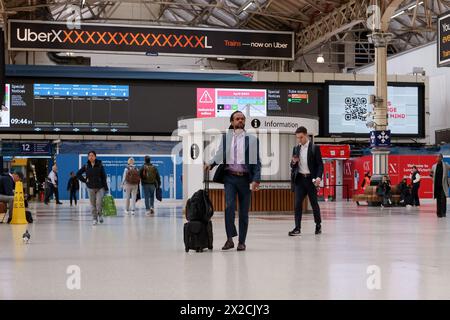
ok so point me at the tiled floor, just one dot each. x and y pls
(143, 257)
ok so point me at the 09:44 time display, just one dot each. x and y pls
(21, 121)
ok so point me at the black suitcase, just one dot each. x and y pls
(198, 231)
(198, 235)
(199, 207)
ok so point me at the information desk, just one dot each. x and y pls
(265, 200)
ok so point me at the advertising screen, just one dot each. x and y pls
(348, 106)
(5, 110)
(443, 42)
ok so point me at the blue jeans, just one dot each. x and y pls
(235, 185)
(149, 195)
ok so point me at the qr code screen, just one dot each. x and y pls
(355, 108)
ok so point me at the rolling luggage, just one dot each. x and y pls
(199, 207)
(198, 231)
(198, 235)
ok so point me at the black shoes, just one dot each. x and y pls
(228, 245)
(318, 229)
(241, 247)
(59, 202)
(296, 232)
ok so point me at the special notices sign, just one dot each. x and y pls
(444, 40)
(150, 40)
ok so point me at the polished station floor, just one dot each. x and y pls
(363, 253)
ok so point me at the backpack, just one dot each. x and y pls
(132, 176)
(199, 207)
(149, 174)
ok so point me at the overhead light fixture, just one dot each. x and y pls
(409, 8)
(320, 58)
(398, 14)
(221, 59)
(414, 5)
(246, 6)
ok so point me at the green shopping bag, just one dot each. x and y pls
(108, 206)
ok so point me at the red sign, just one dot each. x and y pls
(335, 151)
(206, 103)
(400, 166)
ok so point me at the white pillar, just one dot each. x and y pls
(380, 111)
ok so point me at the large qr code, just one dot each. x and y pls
(355, 108)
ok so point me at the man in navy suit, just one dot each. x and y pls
(7, 188)
(239, 166)
(306, 174)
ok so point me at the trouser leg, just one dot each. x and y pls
(244, 195)
(312, 195)
(300, 193)
(230, 207)
(99, 201)
(134, 191)
(92, 200)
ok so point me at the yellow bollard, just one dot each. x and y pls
(18, 213)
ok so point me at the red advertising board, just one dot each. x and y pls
(400, 166)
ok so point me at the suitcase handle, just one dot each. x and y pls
(206, 180)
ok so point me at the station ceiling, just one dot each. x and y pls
(337, 27)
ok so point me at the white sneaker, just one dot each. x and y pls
(132, 213)
(147, 213)
(94, 222)
(127, 212)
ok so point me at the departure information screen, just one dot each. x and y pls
(66, 107)
(106, 106)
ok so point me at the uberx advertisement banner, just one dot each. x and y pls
(444, 40)
(58, 36)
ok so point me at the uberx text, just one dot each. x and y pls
(31, 36)
(228, 309)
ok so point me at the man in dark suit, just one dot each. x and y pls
(306, 174)
(7, 188)
(239, 166)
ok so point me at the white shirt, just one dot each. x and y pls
(52, 177)
(240, 148)
(303, 165)
(417, 177)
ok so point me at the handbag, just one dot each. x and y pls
(159, 194)
(109, 206)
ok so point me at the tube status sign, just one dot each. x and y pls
(444, 40)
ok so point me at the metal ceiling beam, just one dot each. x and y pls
(339, 20)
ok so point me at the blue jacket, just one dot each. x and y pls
(252, 159)
(7, 185)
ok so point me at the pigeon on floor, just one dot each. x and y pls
(26, 237)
